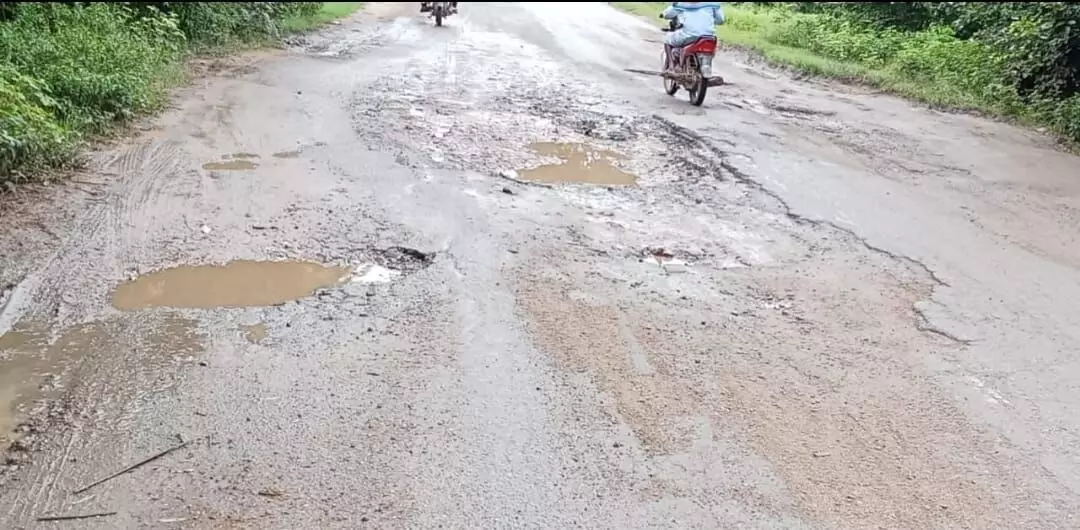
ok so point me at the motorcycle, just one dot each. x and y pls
(440, 10)
(690, 67)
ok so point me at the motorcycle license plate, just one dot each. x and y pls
(706, 65)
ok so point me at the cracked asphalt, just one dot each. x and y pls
(876, 325)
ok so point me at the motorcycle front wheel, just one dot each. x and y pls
(438, 16)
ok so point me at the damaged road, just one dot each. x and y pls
(479, 276)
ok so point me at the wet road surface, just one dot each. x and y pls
(524, 288)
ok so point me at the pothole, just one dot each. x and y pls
(799, 110)
(236, 284)
(233, 162)
(230, 165)
(579, 163)
(402, 259)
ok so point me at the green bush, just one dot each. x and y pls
(71, 69)
(30, 137)
(98, 63)
(211, 24)
(834, 38)
(1019, 59)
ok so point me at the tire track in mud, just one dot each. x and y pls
(88, 396)
(102, 234)
(73, 428)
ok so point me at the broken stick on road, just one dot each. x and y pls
(135, 466)
(45, 518)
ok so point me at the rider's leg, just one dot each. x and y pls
(669, 64)
(672, 42)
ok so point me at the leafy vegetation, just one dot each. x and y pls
(329, 12)
(69, 70)
(1019, 60)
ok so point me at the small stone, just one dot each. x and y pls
(271, 492)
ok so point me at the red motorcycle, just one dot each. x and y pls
(690, 67)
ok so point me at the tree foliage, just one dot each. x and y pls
(1039, 42)
(1022, 56)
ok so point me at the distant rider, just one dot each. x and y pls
(426, 6)
(697, 19)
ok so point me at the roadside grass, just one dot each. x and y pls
(70, 73)
(329, 12)
(931, 67)
(744, 30)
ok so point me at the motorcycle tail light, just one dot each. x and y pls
(706, 65)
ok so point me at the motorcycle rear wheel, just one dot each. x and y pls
(700, 87)
(670, 85)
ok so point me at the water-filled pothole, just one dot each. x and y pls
(34, 357)
(230, 165)
(578, 163)
(235, 284)
(233, 162)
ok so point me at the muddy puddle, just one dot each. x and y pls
(578, 163)
(233, 162)
(34, 358)
(235, 284)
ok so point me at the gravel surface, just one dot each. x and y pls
(815, 307)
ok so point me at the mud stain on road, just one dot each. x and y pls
(235, 284)
(814, 386)
(578, 163)
(287, 154)
(34, 358)
(20, 349)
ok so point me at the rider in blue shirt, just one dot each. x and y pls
(698, 19)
